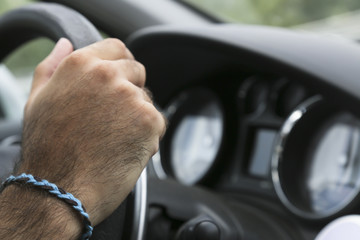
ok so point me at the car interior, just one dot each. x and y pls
(263, 139)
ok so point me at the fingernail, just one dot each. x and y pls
(58, 45)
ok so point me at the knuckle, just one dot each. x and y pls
(125, 89)
(116, 44)
(141, 67)
(76, 58)
(134, 71)
(151, 118)
(103, 71)
(142, 72)
(148, 95)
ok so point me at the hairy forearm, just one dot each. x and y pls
(28, 213)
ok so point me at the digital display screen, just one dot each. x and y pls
(259, 165)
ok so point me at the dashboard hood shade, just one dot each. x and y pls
(179, 56)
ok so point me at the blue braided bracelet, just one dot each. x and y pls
(28, 179)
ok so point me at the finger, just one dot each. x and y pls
(148, 96)
(162, 120)
(47, 67)
(159, 123)
(165, 125)
(109, 49)
(133, 71)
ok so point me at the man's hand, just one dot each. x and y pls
(89, 125)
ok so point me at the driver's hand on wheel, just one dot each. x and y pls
(89, 126)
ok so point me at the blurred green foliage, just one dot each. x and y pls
(23, 60)
(6, 5)
(275, 12)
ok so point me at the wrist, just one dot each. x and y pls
(30, 213)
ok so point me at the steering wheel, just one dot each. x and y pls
(198, 214)
(55, 21)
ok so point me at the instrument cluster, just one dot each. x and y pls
(265, 129)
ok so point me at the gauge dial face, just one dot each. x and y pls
(196, 143)
(197, 137)
(334, 169)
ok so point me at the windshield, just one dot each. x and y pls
(340, 17)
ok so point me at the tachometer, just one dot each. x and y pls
(194, 137)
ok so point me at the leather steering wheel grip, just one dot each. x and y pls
(49, 20)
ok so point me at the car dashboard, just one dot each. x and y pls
(263, 138)
(265, 117)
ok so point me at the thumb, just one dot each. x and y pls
(47, 67)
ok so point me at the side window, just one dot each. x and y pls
(285, 13)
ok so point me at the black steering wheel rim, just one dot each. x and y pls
(55, 21)
(45, 20)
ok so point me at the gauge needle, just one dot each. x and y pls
(348, 162)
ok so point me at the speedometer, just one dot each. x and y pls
(316, 163)
(192, 142)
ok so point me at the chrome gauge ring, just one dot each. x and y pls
(316, 161)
